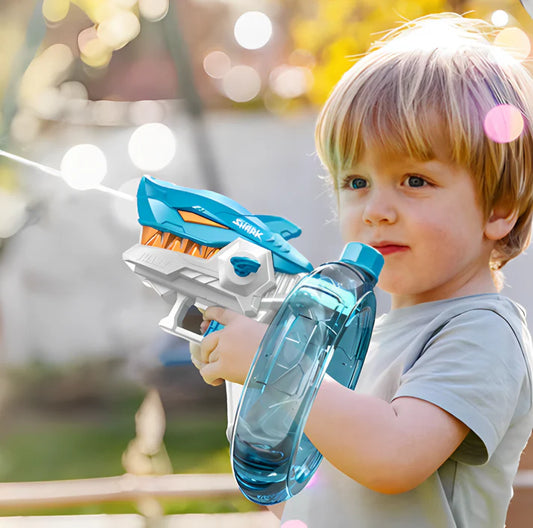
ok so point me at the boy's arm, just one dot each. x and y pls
(387, 447)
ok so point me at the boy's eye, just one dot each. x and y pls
(357, 183)
(416, 181)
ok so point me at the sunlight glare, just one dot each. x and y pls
(514, 41)
(242, 84)
(153, 10)
(84, 166)
(500, 18)
(152, 147)
(253, 30)
(217, 64)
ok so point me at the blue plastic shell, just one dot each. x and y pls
(159, 203)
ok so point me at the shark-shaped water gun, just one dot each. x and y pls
(201, 248)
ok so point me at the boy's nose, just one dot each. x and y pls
(379, 208)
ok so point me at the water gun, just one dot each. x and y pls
(200, 248)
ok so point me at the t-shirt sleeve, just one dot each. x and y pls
(473, 368)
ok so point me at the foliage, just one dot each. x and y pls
(336, 33)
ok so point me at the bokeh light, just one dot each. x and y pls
(514, 41)
(253, 30)
(119, 29)
(93, 51)
(217, 64)
(152, 147)
(290, 81)
(146, 111)
(55, 10)
(500, 18)
(242, 84)
(84, 166)
(153, 10)
(294, 524)
(73, 90)
(503, 123)
(107, 113)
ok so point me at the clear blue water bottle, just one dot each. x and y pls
(324, 325)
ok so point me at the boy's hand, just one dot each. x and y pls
(227, 354)
(196, 357)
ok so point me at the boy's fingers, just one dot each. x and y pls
(196, 355)
(219, 314)
(207, 346)
(208, 372)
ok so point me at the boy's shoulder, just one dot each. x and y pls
(439, 313)
(478, 329)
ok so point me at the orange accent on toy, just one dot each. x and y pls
(155, 238)
(194, 218)
(147, 234)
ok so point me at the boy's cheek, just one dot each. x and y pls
(350, 229)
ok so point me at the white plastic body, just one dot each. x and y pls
(185, 280)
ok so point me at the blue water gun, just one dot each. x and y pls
(201, 248)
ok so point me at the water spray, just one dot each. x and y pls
(68, 169)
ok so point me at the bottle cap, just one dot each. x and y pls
(366, 257)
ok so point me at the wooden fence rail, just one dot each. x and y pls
(132, 487)
(121, 488)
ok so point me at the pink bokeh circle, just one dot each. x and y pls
(503, 123)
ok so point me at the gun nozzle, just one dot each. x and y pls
(155, 238)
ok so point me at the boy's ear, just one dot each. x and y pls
(500, 223)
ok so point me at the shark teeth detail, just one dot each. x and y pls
(161, 239)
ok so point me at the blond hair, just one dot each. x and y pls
(438, 70)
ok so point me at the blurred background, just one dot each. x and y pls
(214, 94)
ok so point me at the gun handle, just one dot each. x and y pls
(171, 323)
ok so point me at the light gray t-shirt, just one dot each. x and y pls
(471, 356)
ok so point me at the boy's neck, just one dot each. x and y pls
(482, 283)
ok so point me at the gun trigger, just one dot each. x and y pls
(213, 327)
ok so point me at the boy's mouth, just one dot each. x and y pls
(388, 248)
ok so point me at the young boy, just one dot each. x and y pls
(432, 435)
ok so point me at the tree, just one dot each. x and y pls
(333, 34)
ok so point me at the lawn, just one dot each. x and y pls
(61, 436)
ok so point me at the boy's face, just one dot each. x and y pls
(425, 219)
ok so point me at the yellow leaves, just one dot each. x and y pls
(307, 34)
(341, 31)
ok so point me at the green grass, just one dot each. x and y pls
(80, 442)
(75, 449)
